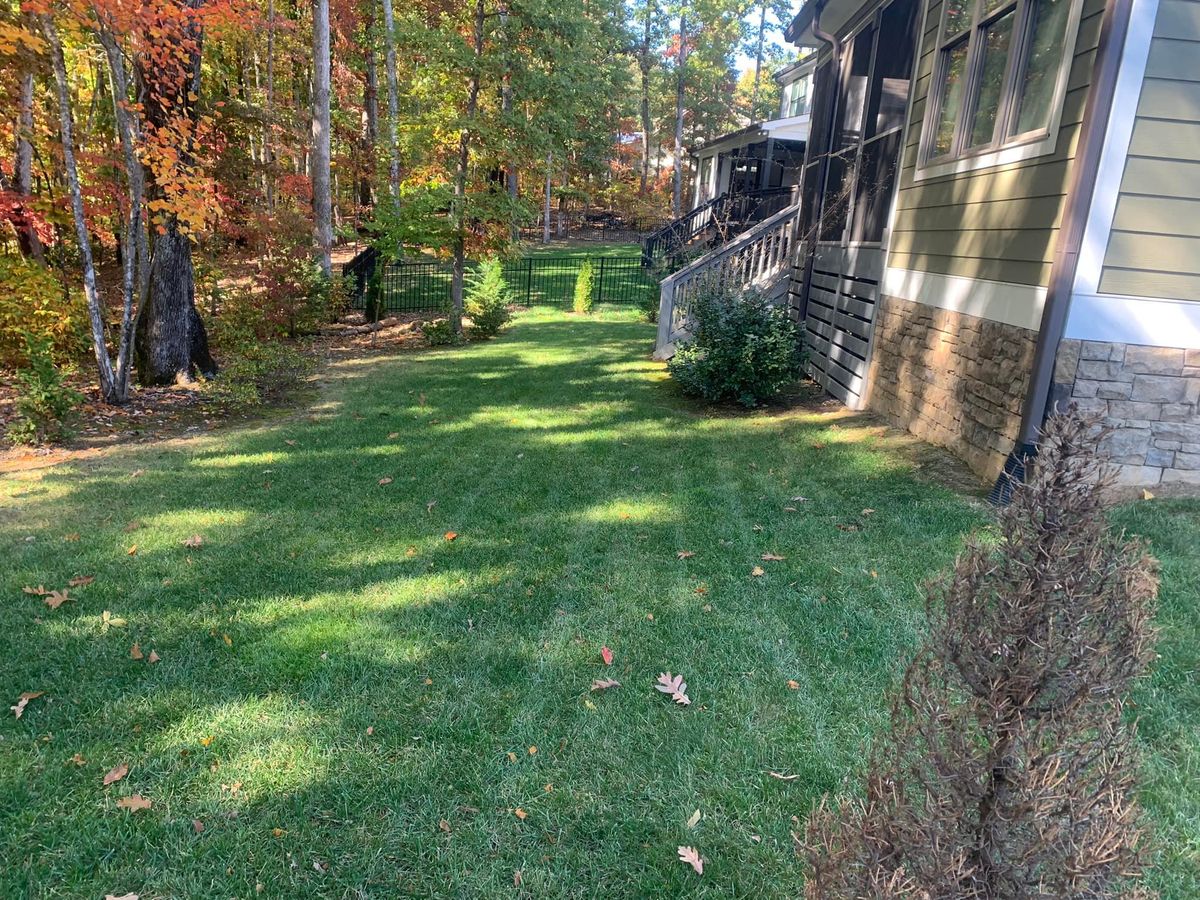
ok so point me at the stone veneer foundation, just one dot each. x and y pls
(1150, 396)
(955, 380)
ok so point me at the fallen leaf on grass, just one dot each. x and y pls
(843, 526)
(451, 535)
(78, 760)
(385, 480)
(684, 554)
(693, 819)
(130, 896)
(39, 591)
(771, 557)
(868, 512)
(197, 826)
(520, 814)
(116, 773)
(290, 443)
(132, 551)
(153, 658)
(444, 825)
(137, 473)
(195, 542)
(393, 435)
(606, 655)
(1147, 495)
(81, 581)
(430, 505)
(675, 686)
(134, 802)
(205, 741)
(135, 652)
(758, 572)
(227, 639)
(793, 684)
(533, 750)
(517, 878)
(691, 856)
(783, 777)
(108, 620)
(603, 684)
(23, 701)
(55, 599)
(71, 538)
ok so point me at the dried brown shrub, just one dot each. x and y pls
(1009, 770)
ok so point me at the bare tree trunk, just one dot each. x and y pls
(758, 60)
(510, 173)
(644, 66)
(460, 180)
(269, 126)
(680, 83)
(27, 238)
(322, 197)
(393, 100)
(137, 243)
(370, 115)
(546, 208)
(109, 388)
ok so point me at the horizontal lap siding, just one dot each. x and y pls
(998, 223)
(1154, 248)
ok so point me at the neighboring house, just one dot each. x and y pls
(1001, 212)
(764, 155)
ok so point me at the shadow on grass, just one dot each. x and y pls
(324, 603)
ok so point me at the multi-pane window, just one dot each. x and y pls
(999, 63)
(796, 97)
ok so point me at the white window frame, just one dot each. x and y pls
(1004, 150)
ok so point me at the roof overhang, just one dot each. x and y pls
(794, 128)
(835, 14)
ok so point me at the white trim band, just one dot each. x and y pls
(999, 301)
(1146, 321)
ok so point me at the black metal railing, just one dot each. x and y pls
(711, 224)
(425, 286)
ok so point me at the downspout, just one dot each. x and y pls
(1039, 401)
(835, 79)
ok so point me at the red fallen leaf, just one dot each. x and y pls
(603, 684)
(116, 773)
(771, 557)
(197, 826)
(793, 684)
(55, 599)
(81, 581)
(606, 655)
(684, 554)
(39, 591)
(23, 701)
(385, 480)
(691, 856)
(134, 802)
(675, 686)
(195, 542)
(451, 535)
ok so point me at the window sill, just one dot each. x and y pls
(1005, 156)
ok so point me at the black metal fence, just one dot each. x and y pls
(425, 286)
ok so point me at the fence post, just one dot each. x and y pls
(599, 298)
(528, 279)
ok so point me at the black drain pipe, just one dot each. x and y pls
(1038, 400)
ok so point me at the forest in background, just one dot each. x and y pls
(181, 171)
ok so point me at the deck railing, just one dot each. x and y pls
(759, 259)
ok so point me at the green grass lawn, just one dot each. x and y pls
(349, 703)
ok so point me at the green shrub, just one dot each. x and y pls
(742, 349)
(585, 287)
(32, 302)
(488, 298)
(258, 373)
(440, 333)
(44, 402)
(650, 302)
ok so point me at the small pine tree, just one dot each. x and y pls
(488, 299)
(44, 401)
(585, 288)
(1009, 770)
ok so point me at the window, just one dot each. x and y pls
(1000, 64)
(797, 97)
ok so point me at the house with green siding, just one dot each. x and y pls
(999, 214)
(1003, 217)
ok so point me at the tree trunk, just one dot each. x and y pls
(322, 196)
(27, 239)
(460, 180)
(680, 82)
(171, 340)
(644, 66)
(370, 116)
(269, 124)
(546, 208)
(109, 388)
(393, 100)
(758, 60)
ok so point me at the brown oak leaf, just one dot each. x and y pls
(116, 773)
(55, 599)
(675, 686)
(691, 856)
(603, 684)
(134, 802)
(23, 701)
(195, 542)
(771, 557)
(81, 581)
(684, 554)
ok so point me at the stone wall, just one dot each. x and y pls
(951, 379)
(1150, 396)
